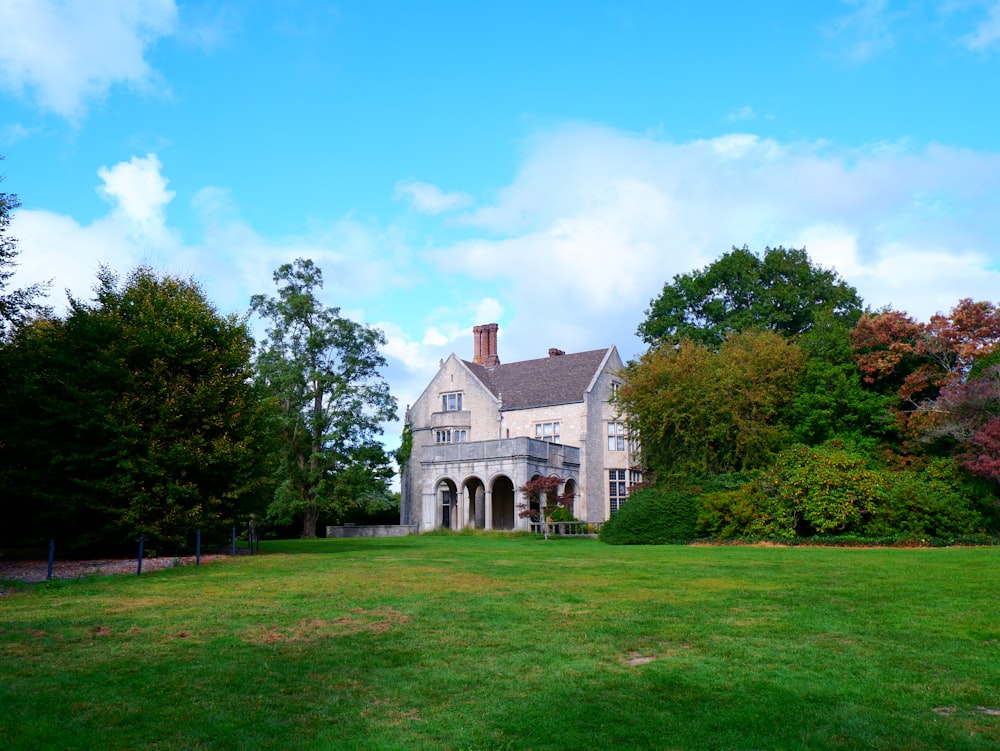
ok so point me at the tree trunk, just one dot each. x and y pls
(309, 518)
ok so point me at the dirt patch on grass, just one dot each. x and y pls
(634, 659)
(378, 620)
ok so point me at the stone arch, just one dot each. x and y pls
(570, 487)
(446, 511)
(534, 502)
(502, 502)
(474, 502)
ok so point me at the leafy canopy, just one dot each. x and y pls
(324, 374)
(137, 416)
(702, 412)
(782, 291)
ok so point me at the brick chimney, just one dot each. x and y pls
(484, 340)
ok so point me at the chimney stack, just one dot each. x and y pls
(484, 340)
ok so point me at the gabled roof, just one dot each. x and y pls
(544, 382)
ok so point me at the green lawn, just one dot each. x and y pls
(492, 642)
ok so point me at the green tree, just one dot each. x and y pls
(782, 291)
(832, 400)
(137, 416)
(323, 371)
(701, 412)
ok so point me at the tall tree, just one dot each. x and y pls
(137, 416)
(782, 291)
(832, 400)
(324, 372)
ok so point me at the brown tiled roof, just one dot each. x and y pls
(543, 382)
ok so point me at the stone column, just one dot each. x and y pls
(480, 507)
(488, 509)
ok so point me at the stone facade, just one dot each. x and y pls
(482, 429)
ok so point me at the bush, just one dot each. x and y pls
(653, 516)
(808, 491)
(831, 490)
(935, 502)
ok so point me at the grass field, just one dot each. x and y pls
(502, 643)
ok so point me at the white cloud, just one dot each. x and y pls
(66, 53)
(864, 32)
(570, 253)
(741, 113)
(489, 310)
(11, 133)
(358, 261)
(430, 199)
(56, 247)
(139, 194)
(987, 33)
(134, 232)
(598, 220)
(210, 26)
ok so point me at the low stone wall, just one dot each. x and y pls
(372, 530)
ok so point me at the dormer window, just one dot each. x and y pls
(451, 402)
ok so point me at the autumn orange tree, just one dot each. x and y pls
(937, 370)
(701, 411)
(919, 359)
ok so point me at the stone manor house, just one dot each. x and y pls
(482, 429)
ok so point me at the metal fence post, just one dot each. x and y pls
(52, 556)
(142, 544)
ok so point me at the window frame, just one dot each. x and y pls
(451, 401)
(555, 431)
(617, 488)
(617, 436)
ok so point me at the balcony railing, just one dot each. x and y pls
(568, 529)
(557, 454)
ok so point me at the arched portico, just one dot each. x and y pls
(570, 488)
(475, 484)
(474, 495)
(502, 503)
(447, 504)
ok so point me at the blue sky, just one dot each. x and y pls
(544, 165)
